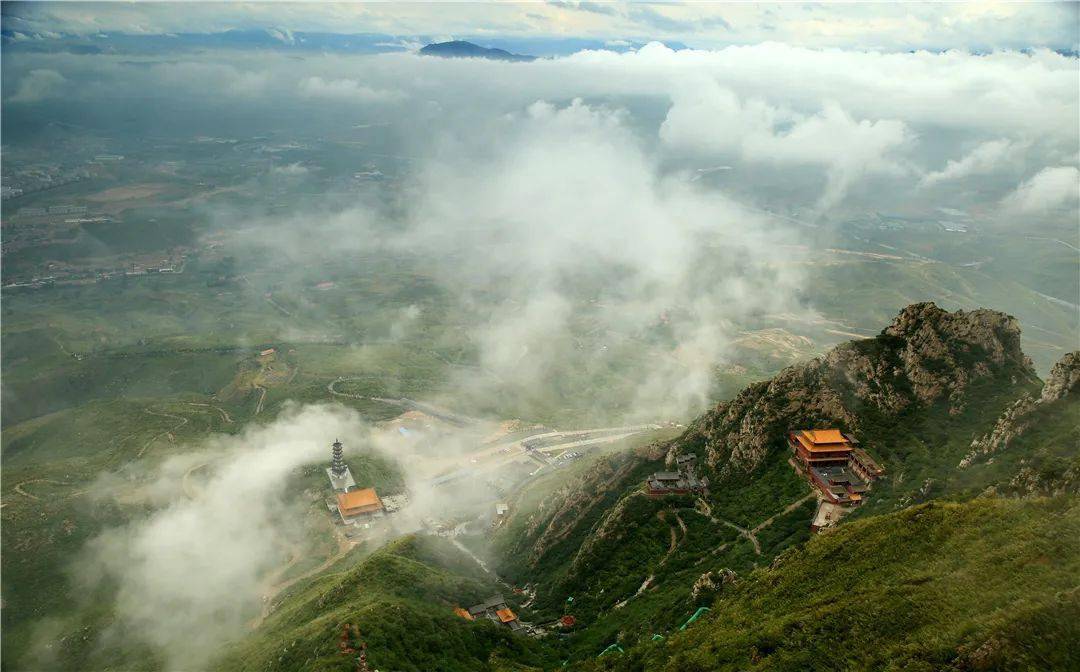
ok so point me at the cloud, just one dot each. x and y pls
(37, 85)
(572, 199)
(1048, 190)
(662, 21)
(227, 514)
(709, 120)
(189, 575)
(849, 149)
(283, 35)
(345, 90)
(291, 169)
(987, 157)
(607, 8)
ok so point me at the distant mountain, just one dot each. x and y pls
(462, 49)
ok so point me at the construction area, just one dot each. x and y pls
(471, 467)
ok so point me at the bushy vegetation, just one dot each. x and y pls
(401, 598)
(984, 584)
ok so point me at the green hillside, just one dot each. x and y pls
(918, 397)
(402, 599)
(986, 584)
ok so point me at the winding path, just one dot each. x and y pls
(275, 589)
(751, 534)
(186, 482)
(183, 421)
(262, 398)
(224, 414)
(18, 488)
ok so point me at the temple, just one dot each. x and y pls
(834, 464)
(495, 609)
(358, 504)
(682, 482)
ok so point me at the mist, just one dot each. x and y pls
(624, 217)
(191, 576)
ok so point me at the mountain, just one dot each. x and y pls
(916, 396)
(988, 584)
(401, 600)
(462, 49)
(964, 556)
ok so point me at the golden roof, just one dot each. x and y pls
(358, 499)
(825, 436)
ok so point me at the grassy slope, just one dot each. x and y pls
(401, 597)
(920, 449)
(44, 536)
(990, 580)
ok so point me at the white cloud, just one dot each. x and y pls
(37, 85)
(291, 169)
(1051, 188)
(345, 90)
(561, 195)
(712, 121)
(847, 148)
(986, 158)
(189, 574)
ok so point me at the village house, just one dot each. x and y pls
(495, 609)
(681, 482)
(834, 464)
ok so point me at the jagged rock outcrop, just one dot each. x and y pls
(559, 513)
(1029, 481)
(926, 356)
(928, 360)
(1019, 417)
(711, 584)
(1064, 378)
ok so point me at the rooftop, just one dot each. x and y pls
(822, 439)
(825, 435)
(666, 476)
(358, 499)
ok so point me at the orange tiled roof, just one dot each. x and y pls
(364, 500)
(822, 440)
(825, 435)
(505, 615)
(464, 614)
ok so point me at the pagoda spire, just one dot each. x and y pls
(337, 465)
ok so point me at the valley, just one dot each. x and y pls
(578, 337)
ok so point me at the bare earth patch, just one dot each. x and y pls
(127, 193)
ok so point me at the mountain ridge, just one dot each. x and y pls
(463, 49)
(630, 568)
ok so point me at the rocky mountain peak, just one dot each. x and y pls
(926, 356)
(942, 351)
(1020, 417)
(1063, 379)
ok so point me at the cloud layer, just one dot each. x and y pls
(978, 26)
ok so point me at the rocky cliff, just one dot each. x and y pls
(1019, 417)
(927, 356)
(914, 394)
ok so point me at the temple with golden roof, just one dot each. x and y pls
(834, 463)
